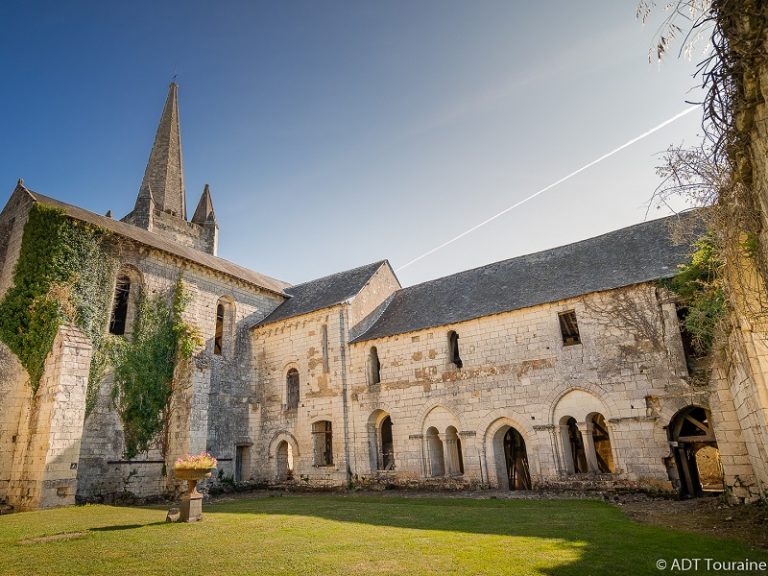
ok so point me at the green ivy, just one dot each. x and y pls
(699, 287)
(145, 366)
(63, 274)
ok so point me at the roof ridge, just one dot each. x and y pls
(377, 263)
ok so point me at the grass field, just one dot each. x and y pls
(353, 535)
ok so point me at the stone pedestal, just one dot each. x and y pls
(191, 509)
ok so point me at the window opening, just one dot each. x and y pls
(322, 436)
(453, 347)
(120, 308)
(218, 338)
(569, 328)
(292, 389)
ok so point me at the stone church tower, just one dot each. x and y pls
(161, 202)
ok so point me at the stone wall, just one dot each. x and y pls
(516, 372)
(211, 410)
(44, 445)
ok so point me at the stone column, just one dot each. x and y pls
(589, 446)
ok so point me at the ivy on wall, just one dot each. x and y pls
(63, 274)
(147, 366)
(700, 288)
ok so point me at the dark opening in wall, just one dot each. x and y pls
(569, 328)
(292, 389)
(218, 338)
(120, 307)
(374, 366)
(453, 349)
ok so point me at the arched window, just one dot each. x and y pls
(292, 389)
(124, 302)
(374, 366)
(218, 338)
(223, 335)
(119, 317)
(453, 349)
(322, 443)
(387, 461)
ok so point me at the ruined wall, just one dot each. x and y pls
(211, 410)
(40, 434)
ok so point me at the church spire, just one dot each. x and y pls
(164, 176)
(204, 211)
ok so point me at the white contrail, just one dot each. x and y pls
(563, 179)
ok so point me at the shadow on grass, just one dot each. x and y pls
(123, 527)
(601, 538)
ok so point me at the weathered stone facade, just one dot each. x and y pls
(551, 369)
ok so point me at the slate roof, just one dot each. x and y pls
(640, 253)
(323, 292)
(161, 243)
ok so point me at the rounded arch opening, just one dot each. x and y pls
(601, 442)
(696, 455)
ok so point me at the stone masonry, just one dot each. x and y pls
(551, 369)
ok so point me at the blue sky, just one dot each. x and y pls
(337, 133)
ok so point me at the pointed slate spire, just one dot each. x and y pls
(204, 211)
(164, 177)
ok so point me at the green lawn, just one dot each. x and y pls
(352, 535)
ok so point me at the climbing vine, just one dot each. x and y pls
(146, 368)
(699, 286)
(63, 274)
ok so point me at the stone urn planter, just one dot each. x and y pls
(191, 501)
(193, 468)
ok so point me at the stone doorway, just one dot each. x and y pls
(284, 457)
(695, 451)
(516, 459)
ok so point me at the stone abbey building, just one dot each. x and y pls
(547, 370)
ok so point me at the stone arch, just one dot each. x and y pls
(279, 440)
(447, 414)
(571, 415)
(493, 446)
(695, 452)
(554, 399)
(437, 417)
(380, 440)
